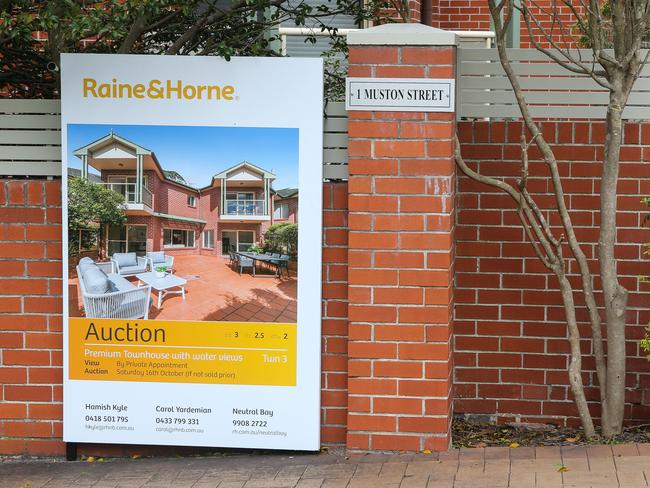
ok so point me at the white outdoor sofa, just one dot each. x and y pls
(129, 264)
(106, 294)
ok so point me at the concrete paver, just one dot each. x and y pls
(620, 466)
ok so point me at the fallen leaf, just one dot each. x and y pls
(571, 439)
(481, 444)
(136, 456)
(90, 459)
(427, 451)
(513, 445)
(562, 469)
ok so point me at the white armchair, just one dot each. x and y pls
(128, 263)
(159, 258)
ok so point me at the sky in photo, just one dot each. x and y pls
(198, 153)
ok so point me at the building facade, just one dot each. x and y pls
(165, 213)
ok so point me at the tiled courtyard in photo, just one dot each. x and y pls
(216, 291)
(625, 466)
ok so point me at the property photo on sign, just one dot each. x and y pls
(192, 285)
(213, 240)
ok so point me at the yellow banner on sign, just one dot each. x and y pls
(234, 353)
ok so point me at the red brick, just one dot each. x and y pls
(22, 250)
(423, 278)
(28, 393)
(373, 55)
(399, 71)
(399, 332)
(26, 357)
(16, 214)
(382, 442)
(397, 405)
(398, 295)
(398, 369)
(428, 55)
(44, 233)
(370, 350)
(372, 422)
(16, 192)
(370, 129)
(423, 424)
(399, 148)
(374, 386)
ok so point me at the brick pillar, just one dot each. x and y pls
(401, 221)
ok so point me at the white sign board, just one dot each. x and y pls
(187, 321)
(400, 94)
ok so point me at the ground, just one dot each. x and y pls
(467, 433)
(626, 466)
(215, 291)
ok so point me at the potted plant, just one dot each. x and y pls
(161, 271)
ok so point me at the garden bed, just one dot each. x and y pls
(468, 433)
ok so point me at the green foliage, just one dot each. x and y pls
(198, 27)
(645, 343)
(89, 206)
(255, 248)
(281, 238)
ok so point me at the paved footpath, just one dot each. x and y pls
(495, 467)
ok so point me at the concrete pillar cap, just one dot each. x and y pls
(402, 35)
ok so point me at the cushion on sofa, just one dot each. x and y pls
(131, 270)
(119, 283)
(125, 259)
(84, 263)
(156, 257)
(95, 280)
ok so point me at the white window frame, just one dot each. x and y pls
(192, 202)
(179, 246)
(205, 234)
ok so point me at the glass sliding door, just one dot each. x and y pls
(116, 239)
(137, 239)
(126, 238)
(236, 240)
(245, 240)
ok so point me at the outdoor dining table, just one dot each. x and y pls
(264, 258)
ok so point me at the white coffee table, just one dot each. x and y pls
(163, 285)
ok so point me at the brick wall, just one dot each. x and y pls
(510, 345)
(31, 326)
(334, 360)
(30, 317)
(401, 216)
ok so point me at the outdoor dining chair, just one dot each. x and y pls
(244, 262)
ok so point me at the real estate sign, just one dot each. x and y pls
(192, 210)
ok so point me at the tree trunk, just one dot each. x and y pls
(615, 295)
(575, 360)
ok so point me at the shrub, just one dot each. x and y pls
(281, 238)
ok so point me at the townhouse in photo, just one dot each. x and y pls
(166, 213)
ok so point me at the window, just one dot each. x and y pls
(127, 238)
(178, 238)
(281, 211)
(125, 186)
(191, 201)
(208, 239)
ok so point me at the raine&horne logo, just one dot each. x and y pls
(156, 90)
